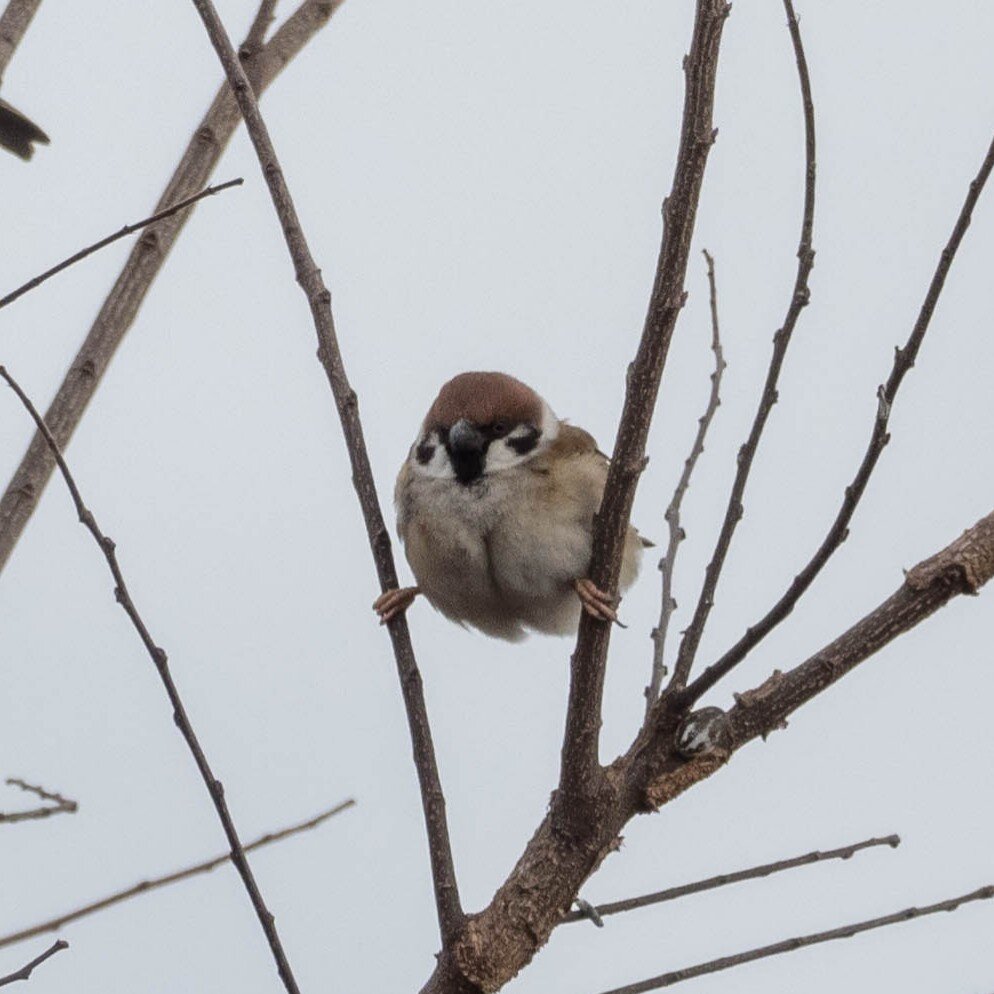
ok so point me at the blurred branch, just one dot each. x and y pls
(59, 803)
(14, 23)
(128, 229)
(672, 515)
(146, 886)
(799, 298)
(799, 942)
(144, 263)
(722, 880)
(25, 971)
(448, 907)
(182, 721)
(904, 359)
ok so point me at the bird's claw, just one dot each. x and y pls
(596, 602)
(393, 602)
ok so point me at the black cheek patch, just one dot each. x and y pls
(525, 443)
(424, 452)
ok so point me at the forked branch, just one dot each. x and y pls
(58, 804)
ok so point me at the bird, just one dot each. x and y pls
(18, 133)
(495, 507)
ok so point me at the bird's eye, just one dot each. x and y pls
(500, 428)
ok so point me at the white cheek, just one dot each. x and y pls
(437, 468)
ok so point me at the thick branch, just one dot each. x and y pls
(799, 942)
(182, 721)
(799, 298)
(450, 915)
(59, 803)
(667, 564)
(147, 886)
(14, 23)
(580, 777)
(120, 308)
(904, 359)
(25, 971)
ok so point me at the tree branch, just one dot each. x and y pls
(59, 803)
(128, 229)
(158, 655)
(799, 298)
(799, 942)
(672, 516)
(449, 909)
(25, 971)
(17, 132)
(723, 879)
(581, 775)
(146, 886)
(14, 23)
(144, 263)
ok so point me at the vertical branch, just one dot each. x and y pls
(144, 263)
(667, 564)
(781, 340)
(580, 774)
(449, 909)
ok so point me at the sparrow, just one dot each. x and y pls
(495, 507)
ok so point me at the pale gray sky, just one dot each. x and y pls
(481, 184)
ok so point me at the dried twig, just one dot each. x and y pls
(449, 909)
(904, 359)
(723, 879)
(581, 776)
(145, 261)
(158, 655)
(672, 515)
(59, 803)
(104, 242)
(799, 942)
(25, 971)
(781, 340)
(146, 886)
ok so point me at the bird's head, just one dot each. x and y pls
(480, 424)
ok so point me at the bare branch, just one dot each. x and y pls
(146, 886)
(104, 242)
(14, 23)
(799, 942)
(904, 359)
(672, 515)
(723, 879)
(144, 263)
(581, 776)
(799, 298)
(158, 655)
(17, 132)
(449, 909)
(59, 803)
(25, 971)
(256, 36)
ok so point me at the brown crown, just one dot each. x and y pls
(483, 398)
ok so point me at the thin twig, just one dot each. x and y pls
(904, 359)
(59, 804)
(25, 971)
(449, 909)
(158, 655)
(723, 879)
(126, 230)
(799, 942)
(146, 886)
(799, 298)
(581, 776)
(672, 515)
(145, 261)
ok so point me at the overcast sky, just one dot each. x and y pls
(481, 184)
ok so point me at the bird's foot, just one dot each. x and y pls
(388, 605)
(595, 602)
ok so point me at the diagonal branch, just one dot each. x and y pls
(144, 263)
(59, 803)
(672, 516)
(14, 23)
(17, 132)
(724, 879)
(904, 359)
(799, 942)
(25, 971)
(158, 655)
(781, 340)
(581, 776)
(146, 886)
(449, 909)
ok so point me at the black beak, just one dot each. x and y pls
(467, 447)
